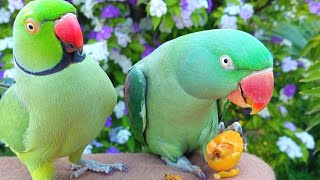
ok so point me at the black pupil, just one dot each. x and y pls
(225, 60)
(30, 27)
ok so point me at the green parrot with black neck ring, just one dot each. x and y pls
(172, 94)
(61, 97)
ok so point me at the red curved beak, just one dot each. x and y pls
(254, 91)
(67, 28)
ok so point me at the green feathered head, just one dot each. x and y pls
(227, 63)
(44, 30)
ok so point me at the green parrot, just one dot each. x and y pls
(61, 97)
(173, 94)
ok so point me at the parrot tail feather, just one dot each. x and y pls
(43, 172)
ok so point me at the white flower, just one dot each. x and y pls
(119, 109)
(158, 8)
(258, 33)
(306, 138)
(246, 11)
(306, 63)
(5, 16)
(97, 23)
(87, 8)
(77, 2)
(120, 90)
(287, 145)
(6, 43)
(98, 51)
(232, 9)
(123, 39)
(88, 149)
(228, 22)
(145, 23)
(123, 136)
(124, 62)
(265, 114)
(286, 42)
(15, 5)
(9, 73)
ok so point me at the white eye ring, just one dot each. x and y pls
(226, 62)
(30, 26)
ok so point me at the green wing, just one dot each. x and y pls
(14, 120)
(221, 106)
(135, 90)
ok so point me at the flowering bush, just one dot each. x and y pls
(118, 33)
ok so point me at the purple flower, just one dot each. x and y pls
(314, 7)
(104, 33)
(147, 50)
(184, 4)
(210, 6)
(289, 65)
(1, 74)
(112, 150)
(96, 144)
(290, 125)
(92, 35)
(108, 122)
(110, 11)
(276, 40)
(135, 28)
(247, 111)
(290, 90)
(133, 2)
(283, 111)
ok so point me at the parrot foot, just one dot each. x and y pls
(184, 164)
(85, 165)
(236, 126)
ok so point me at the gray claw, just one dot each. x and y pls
(221, 127)
(202, 175)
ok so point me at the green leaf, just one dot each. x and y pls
(155, 22)
(314, 122)
(312, 77)
(172, 2)
(233, 2)
(317, 148)
(313, 108)
(313, 91)
(315, 67)
(140, 2)
(168, 22)
(177, 11)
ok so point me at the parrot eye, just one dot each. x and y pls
(226, 62)
(31, 26)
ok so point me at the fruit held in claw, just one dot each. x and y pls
(224, 151)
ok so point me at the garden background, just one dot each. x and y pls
(118, 33)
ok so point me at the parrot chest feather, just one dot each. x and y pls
(67, 109)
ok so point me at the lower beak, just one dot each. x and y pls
(254, 91)
(68, 30)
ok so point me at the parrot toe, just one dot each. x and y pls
(184, 164)
(236, 126)
(85, 165)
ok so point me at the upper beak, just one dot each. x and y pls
(67, 28)
(254, 91)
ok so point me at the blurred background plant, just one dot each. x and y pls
(118, 33)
